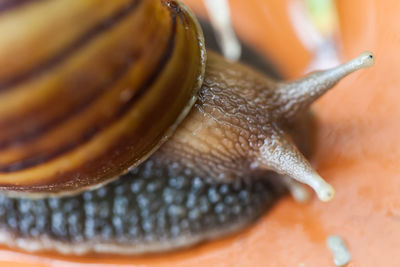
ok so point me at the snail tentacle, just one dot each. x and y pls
(295, 97)
(297, 190)
(279, 154)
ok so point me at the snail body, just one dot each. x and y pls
(220, 169)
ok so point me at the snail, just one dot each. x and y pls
(123, 134)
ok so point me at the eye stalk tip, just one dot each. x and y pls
(326, 192)
(366, 59)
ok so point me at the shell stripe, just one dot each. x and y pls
(7, 5)
(100, 28)
(39, 159)
(17, 131)
(20, 137)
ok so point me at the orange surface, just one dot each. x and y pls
(266, 25)
(357, 150)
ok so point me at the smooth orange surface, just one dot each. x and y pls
(357, 150)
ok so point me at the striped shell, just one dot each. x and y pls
(90, 88)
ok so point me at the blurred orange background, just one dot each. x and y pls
(357, 149)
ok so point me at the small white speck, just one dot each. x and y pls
(336, 245)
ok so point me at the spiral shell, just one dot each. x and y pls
(89, 88)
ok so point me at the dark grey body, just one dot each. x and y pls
(150, 209)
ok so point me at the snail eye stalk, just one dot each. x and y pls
(280, 155)
(297, 96)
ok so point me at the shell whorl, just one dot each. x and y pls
(90, 88)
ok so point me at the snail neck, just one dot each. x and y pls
(234, 115)
(244, 124)
(228, 123)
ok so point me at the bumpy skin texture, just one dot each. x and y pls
(245, 122)
(209, 179)
(237, 110)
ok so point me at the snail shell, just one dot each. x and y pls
(95, 91)
(214, 175)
